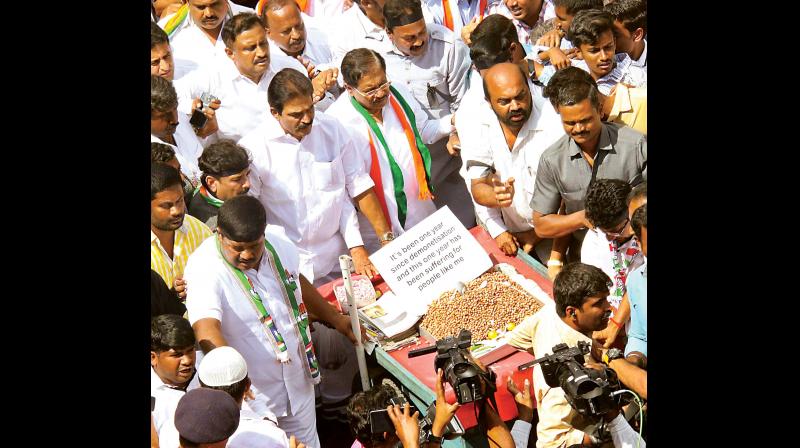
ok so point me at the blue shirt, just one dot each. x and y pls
(637, 294)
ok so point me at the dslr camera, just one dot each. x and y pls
(468, 381)
(590, 392)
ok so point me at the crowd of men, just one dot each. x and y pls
(285, 133)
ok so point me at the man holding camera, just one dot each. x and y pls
(581, 307)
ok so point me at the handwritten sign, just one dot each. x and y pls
(431, 257)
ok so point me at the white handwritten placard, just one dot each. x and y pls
(431, 257)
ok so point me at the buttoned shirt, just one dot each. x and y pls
(243, 103)
(637, 295)
(167, 398)
(255, 432)
(187, 238)
(443, 66)
(191, 47)
(306, 187)
(187, 150)
(559, 425)
(564, 174)
(486, 150)
(216, 294)
(630, 107)
(623, 72)
(430, 130)
(352, 30)
(598, 251)
(642, 61)
(547, 12)
(462, 11)
(317, 48)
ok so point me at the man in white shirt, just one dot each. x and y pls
(241, 87)
(172, 358)
(305, 173)
(167, 127)
(630, 29)
(611, 247)
(580, 308)
(247, 292)
(455, 14)
(432, 64)
(225, 369)
(504, 155)
(361, 26)
(371, 107)
(195, 32)
(290, 36)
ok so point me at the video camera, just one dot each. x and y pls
(465, 377)
(590, 392)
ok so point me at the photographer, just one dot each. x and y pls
(406, 425)
(581, 307)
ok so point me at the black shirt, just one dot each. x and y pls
(162, 299)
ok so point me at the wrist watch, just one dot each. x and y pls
(612, 354)
(433, 439)
(388, 236)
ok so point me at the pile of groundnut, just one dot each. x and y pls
(490, 304)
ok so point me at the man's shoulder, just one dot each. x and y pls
(202, 210)
(279, 62)
(624, 136)
(195, 225)
(441, 33)
(557, 149)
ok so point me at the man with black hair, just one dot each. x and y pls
(241, 86)
(630, 29)
(636, 349)
(173, 234)
(162, 299)
(504, 154)
(195, 31)
(525, 14)
(610, 246)
(161, 63)
(168, 128)
(206, 418)
(433, 65)
(306, 175)
(591, 149)
(172, 358)
(580, 308)
(554, 48)
(225, 369)
(225, 170)
(592, 32)
(247, 292)
(163, 153)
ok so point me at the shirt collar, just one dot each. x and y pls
(184, 229)
(273, 131)
(642, 61)
(603, 144)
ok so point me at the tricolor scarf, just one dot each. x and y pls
(179, 18)
(299, 314)
(419, 152)
(448, 15)
(208, 197)
(305, 6)
(620, 262)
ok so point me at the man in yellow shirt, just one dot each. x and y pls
(174, 235)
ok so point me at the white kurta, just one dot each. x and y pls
(255, 431)
(354, 30)
(215, 293)
(306, 187)
(243, 103)
(167, 399)
(191, 47)
(486, 144)
(462, 11)
(430, 130)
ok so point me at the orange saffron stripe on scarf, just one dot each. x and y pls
(419, 167)
(482, 7)
(375, 174)
(303, 4)
(448, 16)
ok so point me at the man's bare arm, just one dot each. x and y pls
(554, 225)
(208, 333)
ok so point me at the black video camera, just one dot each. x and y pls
(452, 356)
(590, 392)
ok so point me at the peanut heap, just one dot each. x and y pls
(489, 303)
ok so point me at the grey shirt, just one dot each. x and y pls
(564, 173)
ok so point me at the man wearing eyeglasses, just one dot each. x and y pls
(432, 64)
(611, 247)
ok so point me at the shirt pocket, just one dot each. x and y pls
(328, 176)
(573, 200)
(432, 91)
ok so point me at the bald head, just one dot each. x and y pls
(505, 86)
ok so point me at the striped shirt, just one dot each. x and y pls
(187, 238)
